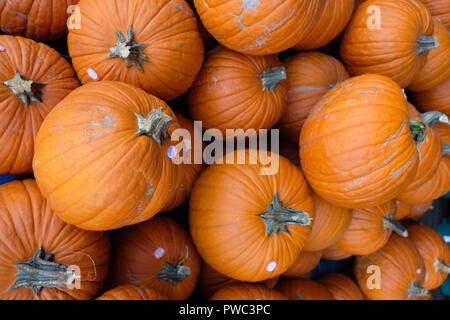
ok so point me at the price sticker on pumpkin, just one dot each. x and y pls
(271, 266)
(92, 74)
(2, 48)
(159, 253)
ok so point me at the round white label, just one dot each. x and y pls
(91, 73)
(271, 266)
(159, 253)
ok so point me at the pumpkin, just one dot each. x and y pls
(306, 262)
(402, 210)
(245, 291)
(248, 221)
(395, 272)
(158, 254)
(434, 99)
(439, 9)
(327, 24)
(34, 79)
(358, 144)
(309, 75)
(370, 228)
(160, 51)
(435, 253)
(341, 287)
(131, 292)
(44, 258)
(397, 47)
(437, 66)
(418, 210)
(335, 253)
(110, 167)
(303, 289)
(236, 91)
(42, 20)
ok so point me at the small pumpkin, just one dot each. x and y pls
(236, 91)
(131, 292)
(335, 253)
(309, 76)
(306, 262)
(370, 229)
(303, 289)
(158, 254)
(341, 287)
(435, 253)
(395, 272)
(245, 291)
(394, 44)
(44, 258)
(439, 9)
(34, 78)
(237, 209)
(434, 99)
(160, 51)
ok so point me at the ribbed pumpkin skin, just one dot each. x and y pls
(306, 262)
(228, 92)
(309, 75)
(390, 50)
(418, 210)
(366, 233)
(20, 123)
(168, 27)
(400, 265)
(26, 224)
(303, 289)
(334, 253)
(341, 287)
(140, 252)
(226, 230)
(439, 9)
(432, 247)
(42, 20)
(131, 292)
(437, 66)
(89, 160)
(435, 99)
(356, 147)
(328, 226)
(403, 209)
(244, 291)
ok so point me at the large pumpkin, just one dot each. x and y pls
(303, 289)
(160, 51)
(34, 79)
(439, 9)
(358, 145)
(245, 291)
(341, 287)
(236, 91)
(306, 262)
(435, 253)
(335, 253)
(131, 292)
(158, 254)
(392, 40)
(309, 75)
(248, 223)
(396, 272)
(43, 257)
(434, 99)
(41, 20)
(101, 156)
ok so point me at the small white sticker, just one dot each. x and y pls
(404, 94)
(2, 48)
(172, 152)
(159, 253)
(271, 266)
(419, 271)
(91, 73)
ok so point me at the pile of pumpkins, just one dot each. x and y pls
(364, 148)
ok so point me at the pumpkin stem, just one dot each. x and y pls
(430, 118)
(155, 125)
(415, 290)
(277, 217)
(394, 225)
(271, 77)
(129, 50)
(41, 272)
(439, 265)
(27, 90)
(426, 43)
(446, 149)
(174, 273)
(418, 130)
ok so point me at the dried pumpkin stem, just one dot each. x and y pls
(394, 225)
(418, 130)
(425, 43)
(41, 272)
(277, 217)
(27, 90)
(174, 273)
(439, 265)
(446, 149)
(415, 290)
(430, 118)
(155, 125)
(272, 76)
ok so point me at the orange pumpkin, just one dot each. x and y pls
(34, 79)
(306, 262)
(435, 253)
(341, 287)
(90, 152)
(402, 210)
(303, 289)
(395, 272)
(44, 258)
(392, 40)
(245, 291)
(236, 91)
(358, 145)
(370, 229)
(131, 292)
(237, 209)
(434, 99)
(309, 75)
(439, 9)
(158, 254)
(335, 253)
(160, 51)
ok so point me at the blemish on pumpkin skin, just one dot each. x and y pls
(60, 128)
(299, 295)
(403, 168)
(246, 6)
(215, 80)
(179, 6)
(206, 5)
(304, 89)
